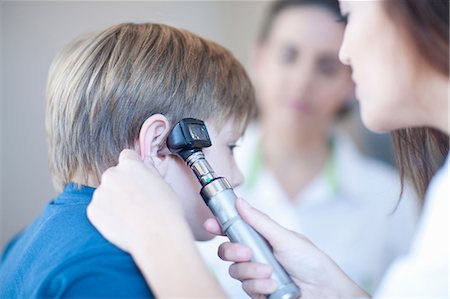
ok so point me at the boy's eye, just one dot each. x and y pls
(232, 147)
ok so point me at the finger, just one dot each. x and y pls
(131, 155)
(107, 176)
(262, 223)
(257, 296)
(212, 226)
(246, 271)
(128, 154)
(234, 252)
(148, 161)
(260, 286)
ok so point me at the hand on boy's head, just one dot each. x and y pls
(130, 158)
(131, 198)
(128, 154)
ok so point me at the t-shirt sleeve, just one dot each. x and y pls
(101, 276)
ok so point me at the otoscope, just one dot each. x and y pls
(187, 139)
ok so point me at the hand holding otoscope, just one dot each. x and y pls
(187, 139)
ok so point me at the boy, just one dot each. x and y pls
(122, 88)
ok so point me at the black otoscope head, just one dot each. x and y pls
(188, 136)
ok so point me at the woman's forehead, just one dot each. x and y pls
(307, 25)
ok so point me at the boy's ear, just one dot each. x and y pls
(152, 140)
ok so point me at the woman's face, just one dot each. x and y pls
(387, 81)
(299, 80)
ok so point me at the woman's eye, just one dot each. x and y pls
(328, 70)
(328, 67)
(288, 55)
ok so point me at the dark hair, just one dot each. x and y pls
(281, 5)
(421, 151)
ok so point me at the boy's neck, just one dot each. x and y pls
(89, 182)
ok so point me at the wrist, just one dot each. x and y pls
(345, 286)
(151, 238)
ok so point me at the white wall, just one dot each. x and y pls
(33, 32)
(1, 122)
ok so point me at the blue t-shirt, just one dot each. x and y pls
(62, 255)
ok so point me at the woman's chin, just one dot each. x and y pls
(376, 125)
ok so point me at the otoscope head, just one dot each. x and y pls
(187, 137)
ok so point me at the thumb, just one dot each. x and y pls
(270, 230)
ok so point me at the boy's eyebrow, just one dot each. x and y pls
(229, 134)
(240, 128)
(237, 137)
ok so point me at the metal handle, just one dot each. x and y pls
(221, 199)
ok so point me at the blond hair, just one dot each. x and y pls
(102, 88)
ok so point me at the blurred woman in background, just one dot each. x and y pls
(302, 170)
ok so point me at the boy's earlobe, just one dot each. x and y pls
(152, 138)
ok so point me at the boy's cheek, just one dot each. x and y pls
(218, 159)
(179, 176)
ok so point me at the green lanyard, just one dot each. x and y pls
(256, 166)
(330, 169)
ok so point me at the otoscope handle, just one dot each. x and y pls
(221, 199)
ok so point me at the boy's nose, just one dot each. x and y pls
(237, 178)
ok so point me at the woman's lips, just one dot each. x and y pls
(299, 106)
